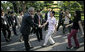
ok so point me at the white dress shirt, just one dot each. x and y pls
(52, 23)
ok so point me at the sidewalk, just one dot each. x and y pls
(59, 38)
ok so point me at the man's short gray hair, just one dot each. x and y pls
(30, 9)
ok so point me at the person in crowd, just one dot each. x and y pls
(47, 16)
(51, 29)
(82, 27)
(27, 23)
(5, 27)
(75, 26)
(8, 15)
(70, 21)
(60, 19)
(67, 20)
(20, 18)
(13, 22)
(19, 23)
(38, 19)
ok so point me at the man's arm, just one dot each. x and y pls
(69, 25)
(44, 23)
(81, 27)
(16, 20)
(29, 19)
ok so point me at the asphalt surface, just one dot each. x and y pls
(59, 38)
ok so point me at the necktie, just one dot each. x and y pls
(39, 19)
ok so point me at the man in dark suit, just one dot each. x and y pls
(38, 19)
(5, 27)
(47, 15)
(26, 25)
(61, 21)
(9, 17)
(13, 22)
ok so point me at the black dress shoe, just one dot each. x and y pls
(20, 40)
(7, 40)
(30, 50)
(16, 34)
(44, 46)
(69, 47)
(41, 39)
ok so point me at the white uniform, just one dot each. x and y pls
(51, 28)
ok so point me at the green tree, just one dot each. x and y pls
(6, 5)
(47, 4)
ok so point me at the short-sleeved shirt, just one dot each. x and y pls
(75, 23)
(67, 19)
(52, 23)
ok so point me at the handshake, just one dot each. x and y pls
(40, 26)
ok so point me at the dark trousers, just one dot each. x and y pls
(59, 24)
(32, 31)
(14, 30)
(39, 33)
(69, 28)
(62, 23)
(6, 30)
(26, 41)
(74, 35)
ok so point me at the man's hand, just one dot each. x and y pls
(40, 26)
(67, 25)
(83, 33)
(10, 26)
(43, 25)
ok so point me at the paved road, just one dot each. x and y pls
(59, 38)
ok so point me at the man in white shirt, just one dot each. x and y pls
(51, 28)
